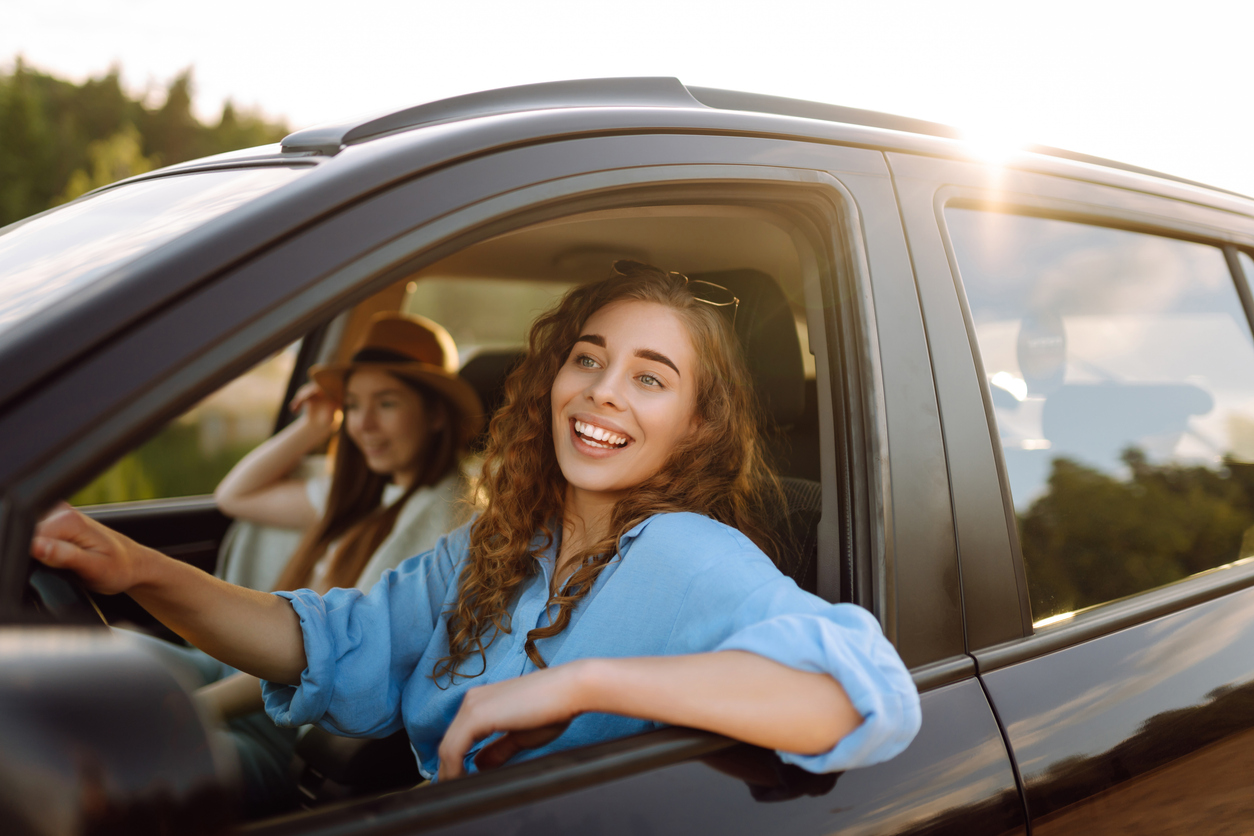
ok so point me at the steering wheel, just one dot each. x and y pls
(61, 595)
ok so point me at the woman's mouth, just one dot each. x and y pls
(599, 437)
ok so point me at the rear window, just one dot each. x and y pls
(52, 256)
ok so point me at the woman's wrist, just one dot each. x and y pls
(313, 432)
(593, 685)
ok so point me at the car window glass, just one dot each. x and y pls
(482, 314)
(192, 453)
(1121, 369)
(56, 254)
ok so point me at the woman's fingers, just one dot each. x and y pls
(532, 710)
(67, 539)
(304, 394)
(499, 751)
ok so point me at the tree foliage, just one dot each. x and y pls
(1093, 538)
(59, 139)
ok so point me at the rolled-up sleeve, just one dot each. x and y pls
(844, 641)
(362, 648)
(738, 600)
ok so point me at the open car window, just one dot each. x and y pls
(191, 454)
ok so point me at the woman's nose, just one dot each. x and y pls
(605, 389)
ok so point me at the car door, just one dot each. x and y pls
(885, 539)
(957, 774)
(1094, 367)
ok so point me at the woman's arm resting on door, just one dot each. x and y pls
(736, 693)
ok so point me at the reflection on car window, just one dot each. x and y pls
(52, 256)
(193, 452)
(482, 314)
(1121, 368)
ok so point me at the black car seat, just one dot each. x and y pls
(768, 334)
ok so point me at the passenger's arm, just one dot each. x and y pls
(252, 631)
(234, 696)
(736, 693)
(258, 488)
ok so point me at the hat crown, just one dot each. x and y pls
(407, 337)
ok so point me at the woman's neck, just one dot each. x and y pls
(586, 518)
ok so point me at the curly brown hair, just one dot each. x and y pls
(719, 470)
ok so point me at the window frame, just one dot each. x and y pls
(1134, 609)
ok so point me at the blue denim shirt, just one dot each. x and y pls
(682, 584)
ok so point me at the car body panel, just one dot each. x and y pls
(954, 777)
(916, 524)
(1166, 704)
(1105, 711)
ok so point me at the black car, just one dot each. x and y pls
(1015, 416)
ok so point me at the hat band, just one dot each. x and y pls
(381, 355)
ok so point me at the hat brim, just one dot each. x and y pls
(470, 418)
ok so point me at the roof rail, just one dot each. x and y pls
(757, 103)
(646, 92)
(597, 92)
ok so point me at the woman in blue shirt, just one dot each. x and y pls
(616, 579)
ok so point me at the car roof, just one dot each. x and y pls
(646, 92)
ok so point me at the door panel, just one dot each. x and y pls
(1124, 717)
(954, 778)
(1149, 727)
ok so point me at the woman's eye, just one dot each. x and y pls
(584, 361)
(649, 380)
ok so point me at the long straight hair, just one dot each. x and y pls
(353, 514)
(720, 469)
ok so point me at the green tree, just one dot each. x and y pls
(109, 160)
(59, 139)
(1093, 538)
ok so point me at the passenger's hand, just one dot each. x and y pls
(106, 561)
(319, 410)
(532, 710)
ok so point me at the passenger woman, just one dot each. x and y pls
(395, 487)
(617, 578)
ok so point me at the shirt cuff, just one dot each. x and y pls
(296, 705)
(846, 643)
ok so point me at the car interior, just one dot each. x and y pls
(486, 295)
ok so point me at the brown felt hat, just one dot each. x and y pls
(412, 347)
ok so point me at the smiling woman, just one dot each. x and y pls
(615, 580)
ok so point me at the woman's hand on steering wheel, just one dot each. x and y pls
(106, 561)
(531, 710)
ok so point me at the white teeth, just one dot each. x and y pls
(592, 434)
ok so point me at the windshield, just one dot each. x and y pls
(53, 256)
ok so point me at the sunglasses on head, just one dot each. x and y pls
(707, 292)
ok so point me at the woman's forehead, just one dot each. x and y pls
(632, 325)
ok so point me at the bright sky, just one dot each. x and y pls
(1165, 87)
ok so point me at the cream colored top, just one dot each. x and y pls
(254, 555)
(432, 512)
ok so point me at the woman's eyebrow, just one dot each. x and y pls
(657, 357)
(646, 353)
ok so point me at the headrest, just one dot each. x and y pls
(486, 372)
(764, 325)
(768, 335)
